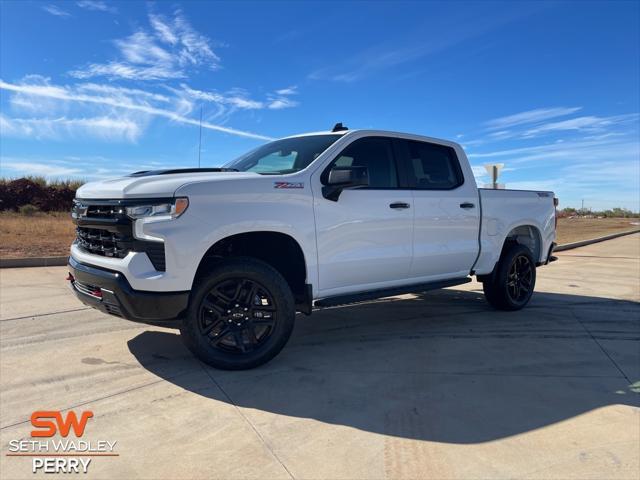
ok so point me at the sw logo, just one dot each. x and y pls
(44, 421)
(48, 423)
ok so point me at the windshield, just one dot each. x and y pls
(288, 155)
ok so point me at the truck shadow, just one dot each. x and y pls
(441, 366)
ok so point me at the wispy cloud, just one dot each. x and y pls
(123, 93)
(96, 5)
(282, 98)
(163, 29)
(165, 51)
(280, 103)
(115, 128)
(590, 124)
(84, 167)
(535, 123)
(293, 90)
(55, 10)
(117, 100)
(530, 116)
(236, 98)
(240, 99)
(37, 168)
(566, 150)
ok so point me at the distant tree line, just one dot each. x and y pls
(32, 194)
(610, 213)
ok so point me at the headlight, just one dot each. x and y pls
(172, 209)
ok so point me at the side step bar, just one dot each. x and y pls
(388, 292)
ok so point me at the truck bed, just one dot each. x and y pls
(504, 213)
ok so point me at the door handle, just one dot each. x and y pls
(467, 205)
(399, 205)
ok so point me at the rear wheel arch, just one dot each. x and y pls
(527, 235)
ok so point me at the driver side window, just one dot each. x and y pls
(376, 154)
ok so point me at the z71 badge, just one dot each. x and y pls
(288, 184)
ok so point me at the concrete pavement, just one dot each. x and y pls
(421, 386)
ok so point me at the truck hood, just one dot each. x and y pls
(152, 184)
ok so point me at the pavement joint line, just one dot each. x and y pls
(598, 256)
(33, 317)
(264, 442)
(112, 395)
(601, 347)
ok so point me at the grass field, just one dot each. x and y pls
(575, 229)
(41, 235)
(48, 235)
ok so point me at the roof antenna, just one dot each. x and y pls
(338, 127)
(200, 139)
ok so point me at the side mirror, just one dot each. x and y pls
(341, 178)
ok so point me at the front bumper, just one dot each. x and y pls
(110, 292)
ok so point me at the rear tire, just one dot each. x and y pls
(240, 316)
(511, 284)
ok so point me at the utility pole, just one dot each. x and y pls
(582, 208)
(200, 138)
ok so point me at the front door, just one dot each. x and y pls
(365, 237)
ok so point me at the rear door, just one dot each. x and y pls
(365, 238)
(446, 210)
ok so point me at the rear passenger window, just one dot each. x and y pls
(433, 167)
(374, 153)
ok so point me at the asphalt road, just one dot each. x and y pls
(430, 386)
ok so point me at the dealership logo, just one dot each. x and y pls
(46, 427)
(66, 454)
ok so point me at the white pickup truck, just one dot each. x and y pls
(228, 255)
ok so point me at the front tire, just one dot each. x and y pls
(511, 284)
(240, 315)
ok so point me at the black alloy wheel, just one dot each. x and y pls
(237, 315)
(511, 284)
(241, 314)
(519, 279)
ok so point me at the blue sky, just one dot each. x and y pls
(93, 89)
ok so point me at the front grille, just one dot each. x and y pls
(104, 229)
(105, 211)
(103, 242)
